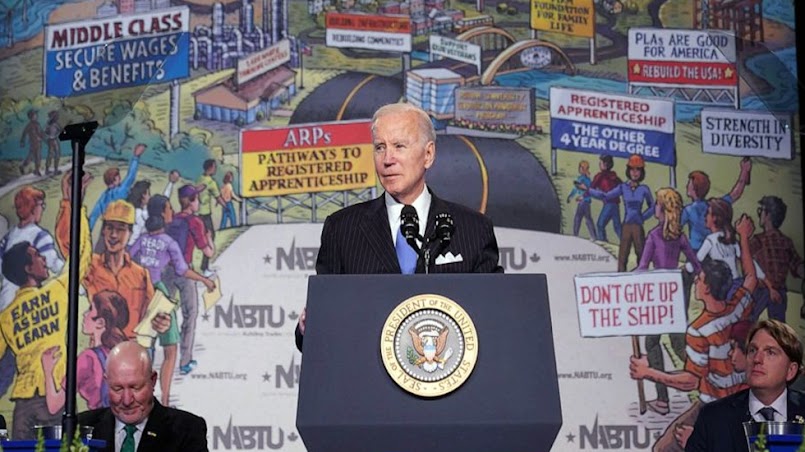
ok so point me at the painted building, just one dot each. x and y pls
(220, 45)
(433, 90)
(106, 9)
(249, 102)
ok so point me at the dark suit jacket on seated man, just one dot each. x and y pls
(131, 382)
(361, 239)
(774, 358)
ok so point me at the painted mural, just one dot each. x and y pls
(643, 154)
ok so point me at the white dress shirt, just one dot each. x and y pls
(394, 210)
(780, 406)
(729, 254)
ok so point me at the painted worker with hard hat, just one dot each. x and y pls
(635, 195)
(113, 269)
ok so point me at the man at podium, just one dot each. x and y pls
(385, 235)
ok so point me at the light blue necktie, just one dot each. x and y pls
(406, 255)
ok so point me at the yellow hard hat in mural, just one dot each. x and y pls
(121, 211)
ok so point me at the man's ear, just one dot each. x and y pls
(430, 154)
(793, 372)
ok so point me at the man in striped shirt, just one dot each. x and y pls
(708, 367)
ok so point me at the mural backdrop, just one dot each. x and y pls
(615, 145)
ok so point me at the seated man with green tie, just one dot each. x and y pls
(774, 360)
(135, 420)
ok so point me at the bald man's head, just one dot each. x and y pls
(131, 380)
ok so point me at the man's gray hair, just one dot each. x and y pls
(425, 124)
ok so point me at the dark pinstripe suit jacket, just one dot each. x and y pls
(357, 240)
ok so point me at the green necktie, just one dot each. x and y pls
(128, 441)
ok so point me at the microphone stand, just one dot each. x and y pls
(79, 135)
(426, 254)
(423, 252)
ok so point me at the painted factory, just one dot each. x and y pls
(262, 56)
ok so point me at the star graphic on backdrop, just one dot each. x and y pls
(266, 377)
(267, 259)
(570, 437)
(728, 73)
(636, 68)
(205, 317)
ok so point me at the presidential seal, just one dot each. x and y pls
(429, 345)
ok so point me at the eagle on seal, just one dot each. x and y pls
(429, 348)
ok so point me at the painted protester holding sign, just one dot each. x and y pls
(663, 246)
(707, 368)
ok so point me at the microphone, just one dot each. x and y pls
(409, 224)
(444, 227)
(443, 230)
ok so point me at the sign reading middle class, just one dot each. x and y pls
(129, 50)
(613, 124)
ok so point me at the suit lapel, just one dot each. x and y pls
(436, 206)
(732, 425)
(741, 407)
(155, 429)
(796, 405)
(375, 228)
(105, 430)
